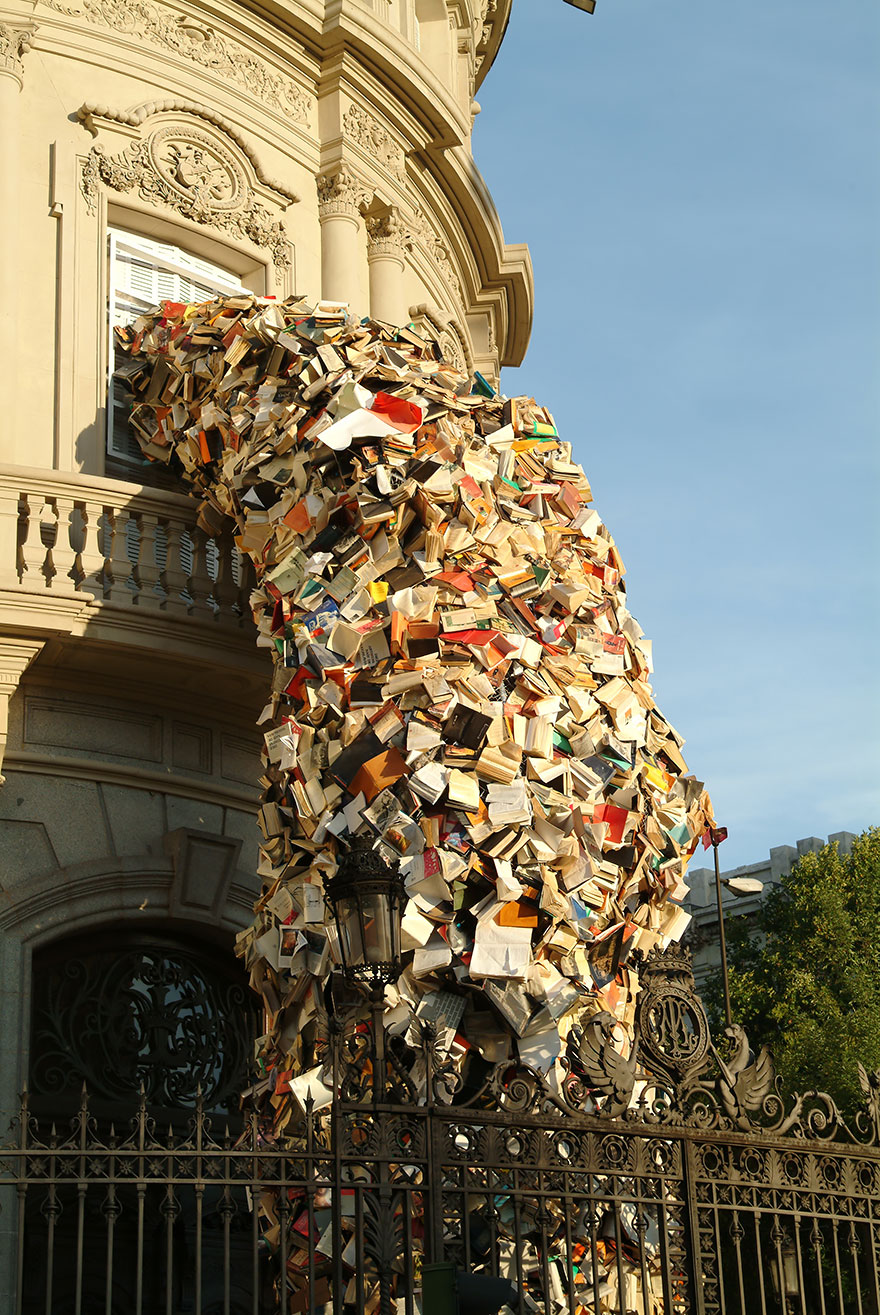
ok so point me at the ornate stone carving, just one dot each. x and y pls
(146, 21)
(88, 113)
(15, 42)
(452, 348)
(340, 193)
(363, 129)
(386, 235)
(186, 170)
(421, 233)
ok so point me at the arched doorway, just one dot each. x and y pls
(126, 1012)
(123, 1011)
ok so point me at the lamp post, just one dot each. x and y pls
(366, 897)
(739, 886)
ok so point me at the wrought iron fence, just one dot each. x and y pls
(676, 1182)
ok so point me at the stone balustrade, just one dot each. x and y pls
(64, 536)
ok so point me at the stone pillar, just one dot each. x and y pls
(16, 655)
(15, 41)
(339, 198)
(386, 255)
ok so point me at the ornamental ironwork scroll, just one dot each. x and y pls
(121, 1014)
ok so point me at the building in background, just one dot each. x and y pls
(702, 935)
(149, 151)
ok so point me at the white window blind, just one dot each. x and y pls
(144, 272)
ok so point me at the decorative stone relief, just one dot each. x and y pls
(341, 193)
(146, 21)
(452, 348)
(91, 116)
(363, 129)
(420, 232)
(185, 169)
(446, 332)
(386, 235)
(15, 42)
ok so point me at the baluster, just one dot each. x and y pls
(201, 586)
(48, 521)
(246, 583)
(147, 571)
(225, 589)
(10, 536)
(93, 557)
(175, 576)
(65, 551)
(120, 565)
(32, 551)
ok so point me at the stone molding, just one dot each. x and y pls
(360, 127)
(386, 235)
(341, 193)
(186, 36)
(191, 171)
(88, 114)
(15, 42)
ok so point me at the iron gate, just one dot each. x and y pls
(677, 1182)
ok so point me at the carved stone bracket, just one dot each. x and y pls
(196, 41)
(341, 193)
(15, 42)
(446, 333)
(361, 128)
(190, 171)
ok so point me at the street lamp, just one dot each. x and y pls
(739, 886)
(587, 5)
(367, 897)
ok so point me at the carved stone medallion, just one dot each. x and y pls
(192, 165)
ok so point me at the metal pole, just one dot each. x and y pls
(377, 1003)
(727, 1014)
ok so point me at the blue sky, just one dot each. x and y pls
(699, 187)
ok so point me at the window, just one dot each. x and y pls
(144, 272)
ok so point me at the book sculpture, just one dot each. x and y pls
(457, 682)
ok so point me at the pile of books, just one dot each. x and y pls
(457, 679)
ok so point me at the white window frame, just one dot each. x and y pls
(173, 264)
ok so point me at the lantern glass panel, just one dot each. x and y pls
(348, 921)
(377, 919)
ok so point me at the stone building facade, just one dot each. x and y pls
(154, 149)
(702, 903)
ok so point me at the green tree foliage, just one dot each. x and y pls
(805, 976)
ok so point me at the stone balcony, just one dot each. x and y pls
(116, 579)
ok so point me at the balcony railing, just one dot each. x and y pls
(64, 536)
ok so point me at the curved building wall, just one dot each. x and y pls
(153, 149)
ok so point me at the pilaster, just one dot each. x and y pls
(16, 655)
(16, 39)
